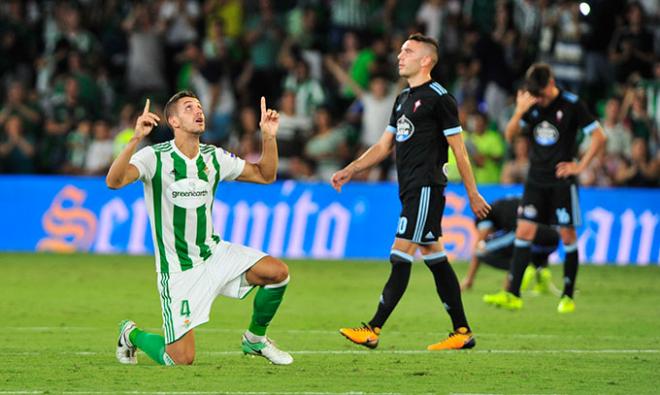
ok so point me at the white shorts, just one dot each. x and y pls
(186, 297)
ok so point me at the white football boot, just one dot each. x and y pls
(268, 350)
(126, 351)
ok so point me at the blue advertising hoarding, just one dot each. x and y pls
(299, 220)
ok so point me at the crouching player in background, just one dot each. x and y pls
(494, 247)
(194, 266)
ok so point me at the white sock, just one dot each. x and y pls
(252, 338)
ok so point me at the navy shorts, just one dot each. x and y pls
(421, 215)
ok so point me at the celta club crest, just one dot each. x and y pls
(404, 129)
(546, 133)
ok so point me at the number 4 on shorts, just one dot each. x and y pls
(185, 308)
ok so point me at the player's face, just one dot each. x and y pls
(410, 58)
(190, 115)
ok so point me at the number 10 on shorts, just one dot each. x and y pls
(403, 224)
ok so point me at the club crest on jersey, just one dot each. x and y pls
(546, 133)
(528, 211)
(404, 129)
(417, 104)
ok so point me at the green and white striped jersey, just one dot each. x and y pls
(178, 193)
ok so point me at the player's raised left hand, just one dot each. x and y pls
(479, 206)
(270, 120)
(567, 169)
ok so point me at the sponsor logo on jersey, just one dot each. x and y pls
(404, 129)
(188, 193)
(560, 115)
(417, 104)
(546, 133)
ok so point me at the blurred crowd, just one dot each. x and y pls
(74, 75)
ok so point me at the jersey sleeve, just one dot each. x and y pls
(145, 161)
(585, 121)
(231, 166)
(447, 115)
(391, 126)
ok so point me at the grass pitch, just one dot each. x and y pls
(60, 314)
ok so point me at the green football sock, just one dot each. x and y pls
(152, 344)
(266, 302)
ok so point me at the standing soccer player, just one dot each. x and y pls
(423, 125)
(194, 266)
(552, 119)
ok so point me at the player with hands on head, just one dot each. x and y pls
(551, 119)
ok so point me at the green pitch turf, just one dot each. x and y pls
(60, 314)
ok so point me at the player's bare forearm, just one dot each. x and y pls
(371, 157)
(374, 155)
(265, 171)
(524, 101)
(119, 174)
(477, 202)
(463, 163)
(269, 159)
(467, 282)
(479, 247)
(567, 169)
(512, 128)
(598, 139)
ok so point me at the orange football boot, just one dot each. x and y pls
(460, 339)
(363, 335)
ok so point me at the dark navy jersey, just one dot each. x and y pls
(421, 120)
(501, 221)
(553, 132)
(502, 215)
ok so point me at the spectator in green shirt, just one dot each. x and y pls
(488, 151)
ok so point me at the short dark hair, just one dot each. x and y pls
(173, 100)
(537, 78)
(419, 37)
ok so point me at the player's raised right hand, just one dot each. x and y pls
(145, 122)
(524, 101)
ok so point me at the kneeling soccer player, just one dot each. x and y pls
(194, 266)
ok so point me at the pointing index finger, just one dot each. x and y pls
(263, 106)
(146, 107)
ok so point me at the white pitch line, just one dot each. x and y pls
(323, 332)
